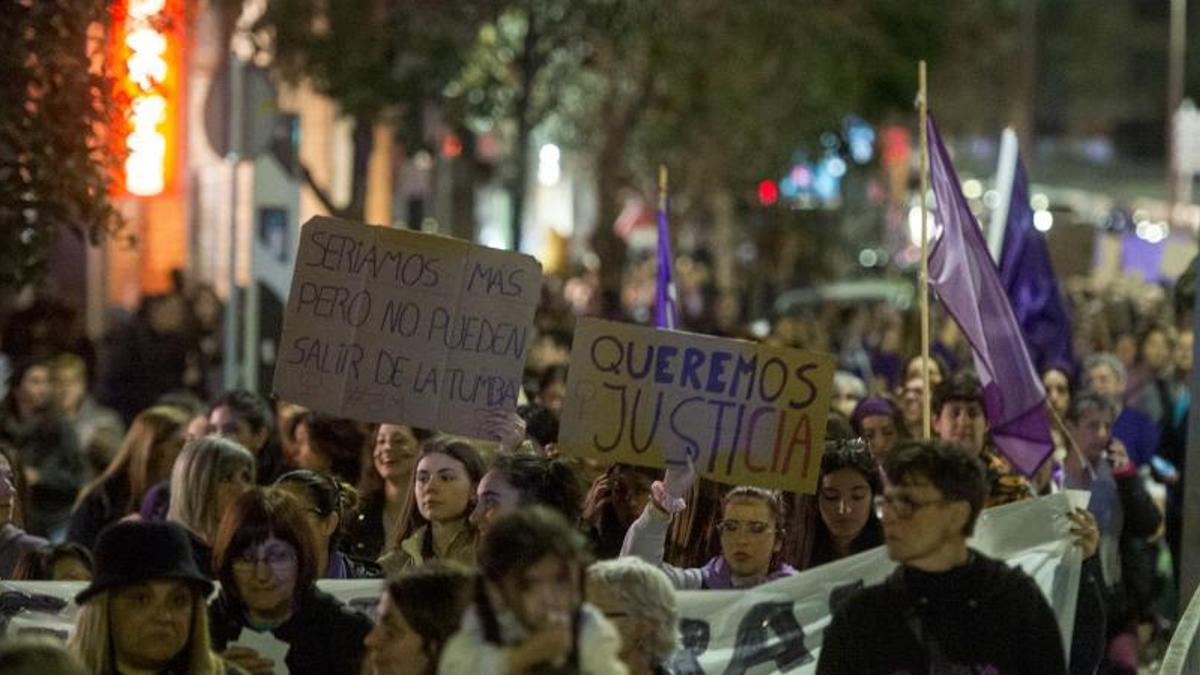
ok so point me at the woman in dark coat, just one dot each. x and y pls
(266, 561)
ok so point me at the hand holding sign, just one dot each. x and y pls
(249, 660)
(669, 492)
(505, 427)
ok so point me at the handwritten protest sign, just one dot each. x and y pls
(387, 325)
(746, 414)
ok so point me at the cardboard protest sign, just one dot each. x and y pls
(747, 414)
(388, 325)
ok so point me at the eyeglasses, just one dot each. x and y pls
(751, 526)
(903, 506)
(274, 558)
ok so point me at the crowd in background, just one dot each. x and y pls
(124, 465)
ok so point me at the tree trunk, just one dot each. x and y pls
(529, 66)
(724, 240)
(363, 140)
(520, 177)
(462, 207)
(609, 247)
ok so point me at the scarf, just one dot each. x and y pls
(717, 575)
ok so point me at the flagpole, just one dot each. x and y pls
(662, 187)
(923, 107)
(1072, 447)
(1006, 170)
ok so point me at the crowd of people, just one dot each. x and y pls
(201, 521)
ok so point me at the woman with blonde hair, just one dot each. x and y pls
(145, 610)
(145, 459)
(208, 477)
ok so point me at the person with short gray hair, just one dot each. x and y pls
(1104, 374)
(848, 390)
(1111, 383)
(639, 599)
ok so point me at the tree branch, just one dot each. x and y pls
(320, 193)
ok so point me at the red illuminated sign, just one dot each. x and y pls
(147, 54)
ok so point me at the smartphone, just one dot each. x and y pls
(1164, 468)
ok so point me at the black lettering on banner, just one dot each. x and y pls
(694, 636)
(754, 646)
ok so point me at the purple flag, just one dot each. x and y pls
(666, 300)
(1028, 278)
(962, 273)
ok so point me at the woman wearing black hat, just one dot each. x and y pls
(266, 561)
(144, 611)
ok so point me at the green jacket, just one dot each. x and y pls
(410, 553)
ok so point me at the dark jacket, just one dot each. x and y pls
(269, 463)
(824, 552)
(1089, 638)
(365, 534)
(48, 444)
(202, 553)
(15, 544)
(1134, 594)
(607, 534)
(980, 615)
(325, 636)
(104, 505)
(140, 365)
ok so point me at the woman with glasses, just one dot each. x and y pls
(848, 523)
(750, 529)
(328, 503)
(266, 561)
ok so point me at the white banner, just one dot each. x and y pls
(776, 627)
(779, 627)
